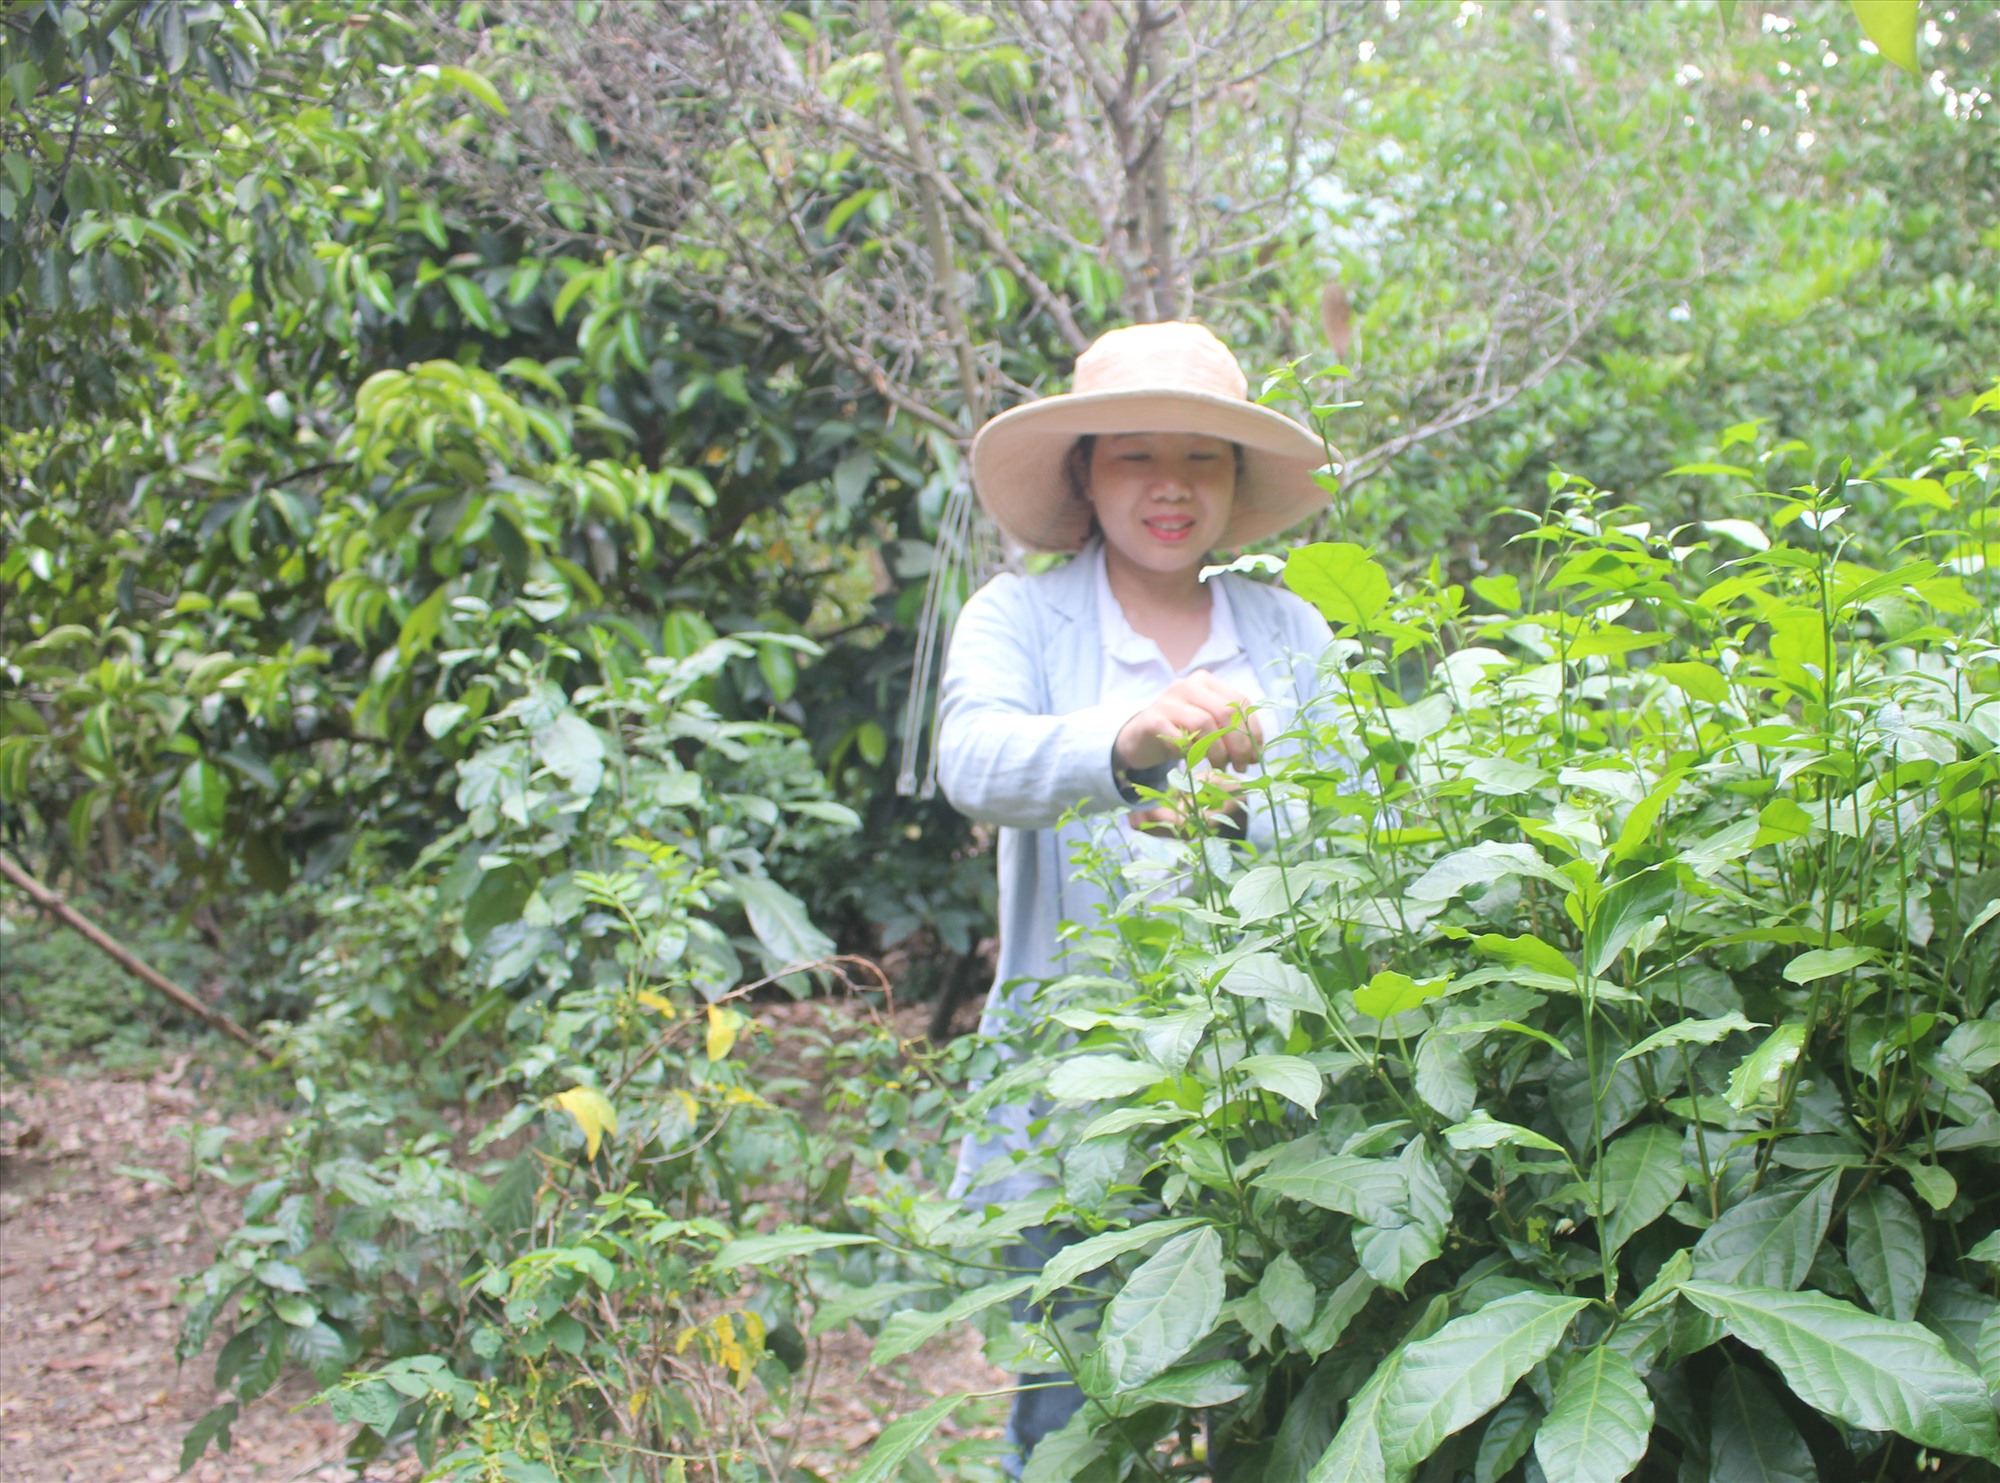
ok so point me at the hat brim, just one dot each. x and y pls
(1017, 461)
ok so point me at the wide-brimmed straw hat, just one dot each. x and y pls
(1147, 378)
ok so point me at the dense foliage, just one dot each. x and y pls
(468, 477)
(1602, 1063)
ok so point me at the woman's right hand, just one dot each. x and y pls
(1196, 705)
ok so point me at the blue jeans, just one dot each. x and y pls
(1036, 1413)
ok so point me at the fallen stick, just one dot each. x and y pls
(52, 903)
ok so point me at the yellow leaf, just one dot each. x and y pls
(1892, 26)
(655, 1001)
(594, 1115)
(742, 1097)
(722, 1028)
(637, 1402)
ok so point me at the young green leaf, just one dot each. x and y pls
(1892, 26)
(1389, 994)
(1527, 950)
(1598, 1423)
(1869, 1372)
(1339, 580)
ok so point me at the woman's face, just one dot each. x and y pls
(1162, 499)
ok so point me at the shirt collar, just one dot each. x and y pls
(1126, 645)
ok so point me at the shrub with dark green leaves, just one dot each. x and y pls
(1596, 1080)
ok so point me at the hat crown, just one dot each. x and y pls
(1174, 356)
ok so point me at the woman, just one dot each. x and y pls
(1072, 689)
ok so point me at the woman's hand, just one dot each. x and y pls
(1199, 705)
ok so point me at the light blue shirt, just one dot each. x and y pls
(1025, 736)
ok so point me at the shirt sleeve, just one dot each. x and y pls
(1001, 758)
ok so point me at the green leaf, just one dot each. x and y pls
(1166, 1307)
(1096, 1078)
(1873, 1373)
(1757, 1076)
(778, 1246)
(213, 1427)
(473, 86)
(1370, 1189)
(1389, 994)
(1269, 977)
(1466, 1369)
(1339, 580)
(204, 794)
(1528, 951)
(1598, 1423)
(1394, 1249)
(1751, 1440)
(1504, 592)
(1445, 1077)
(1359, 1452)
(1988, 1351)
(780, 921)
(837, 1312)
(1641, 1176)
(1825, 962)
(572, 749)
(1291, 1077)
(1933, 1183)
(1506, 1438)
(913, 1328)
(1892, 26)
(1770, 1239)
(1702, 681)
(1481, 865)
(1100, 1250)
(901, 1439)
(1885, 1251)
(1690, 1032)
(1215, 1383)
(1481, 1130)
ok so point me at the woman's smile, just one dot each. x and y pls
(1162, 499)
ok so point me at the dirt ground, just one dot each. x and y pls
(89, 1264)
(90, 1259)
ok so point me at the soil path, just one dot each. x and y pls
(90, 1262)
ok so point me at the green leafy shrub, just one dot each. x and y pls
(1597, 1078)
(521, 1208)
